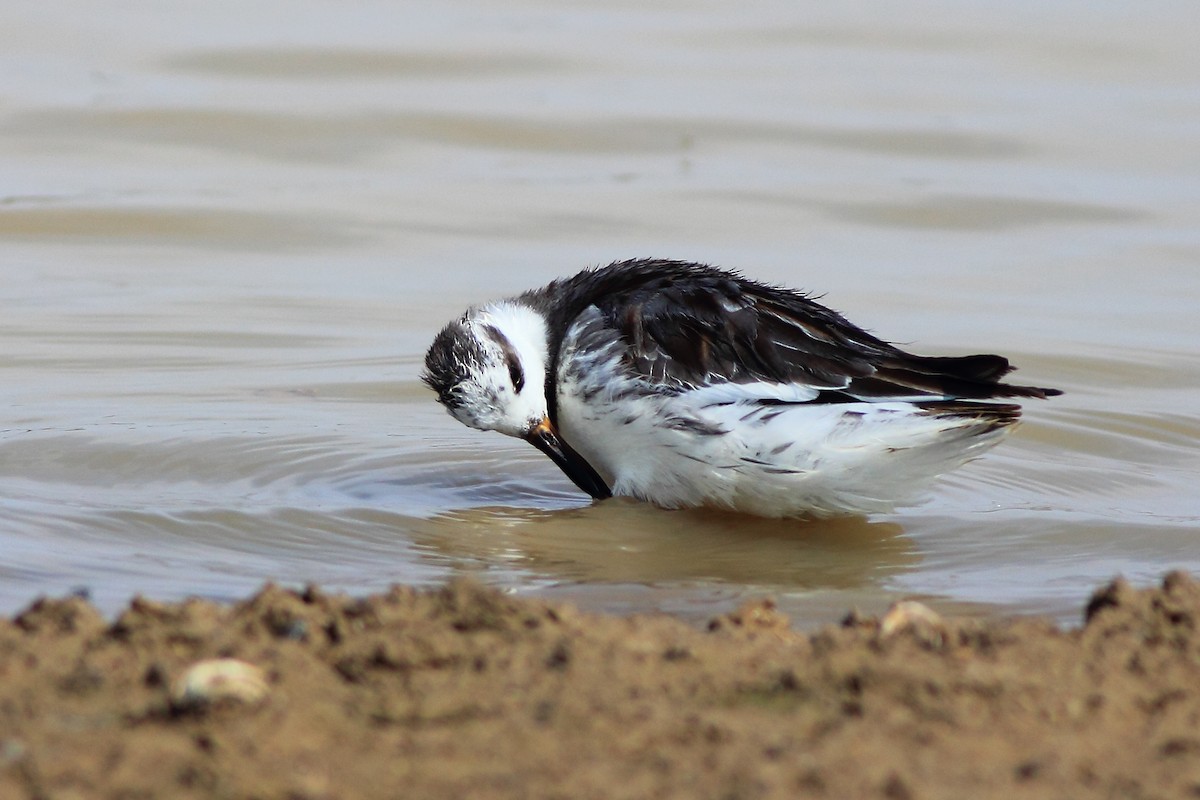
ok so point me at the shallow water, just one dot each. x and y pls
(228, 237)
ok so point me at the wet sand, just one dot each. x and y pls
(466, 692)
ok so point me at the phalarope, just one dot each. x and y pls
(686, 385)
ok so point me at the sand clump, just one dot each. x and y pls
(466, 692)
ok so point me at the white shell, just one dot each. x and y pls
(218, 680)
(909, 615)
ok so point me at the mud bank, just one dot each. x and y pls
(464, 692)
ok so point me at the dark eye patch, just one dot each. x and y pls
(515, 373)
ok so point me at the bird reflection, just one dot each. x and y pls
(624, 541)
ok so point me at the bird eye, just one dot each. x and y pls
(515, 374)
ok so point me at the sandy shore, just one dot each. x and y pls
(464, 692)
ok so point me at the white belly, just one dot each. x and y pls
(816, 461)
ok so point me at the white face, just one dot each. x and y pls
(505, 391)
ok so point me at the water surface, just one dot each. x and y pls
(228, 237)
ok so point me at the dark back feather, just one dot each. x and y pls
(689, 324)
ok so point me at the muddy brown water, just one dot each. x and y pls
(228, 236)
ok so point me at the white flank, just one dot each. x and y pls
(719, 446)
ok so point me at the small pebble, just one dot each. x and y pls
(909, 614)
(219, 680)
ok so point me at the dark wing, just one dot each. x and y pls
(691, 325)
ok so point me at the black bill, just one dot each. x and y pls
(573, 465)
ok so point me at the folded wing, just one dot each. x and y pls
(688, 325)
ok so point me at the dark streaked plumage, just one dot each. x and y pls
(686, 323)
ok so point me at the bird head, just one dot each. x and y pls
(488, 368)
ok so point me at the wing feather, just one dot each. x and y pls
(689, 325)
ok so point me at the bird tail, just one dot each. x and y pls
(974, 377)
